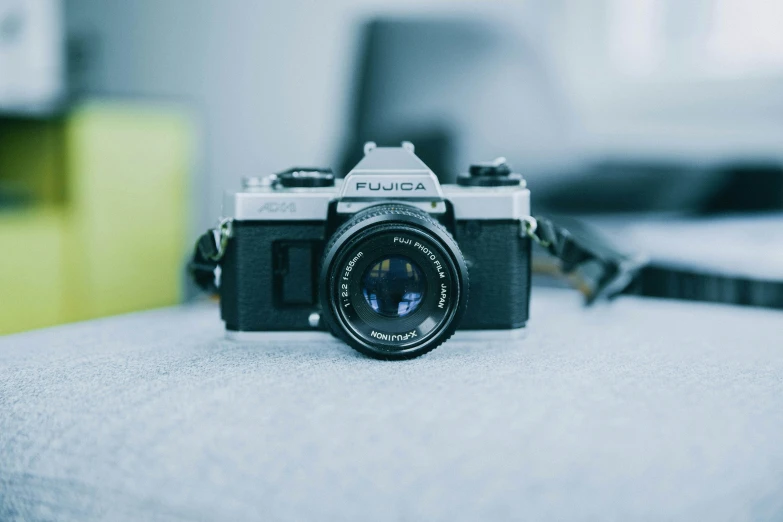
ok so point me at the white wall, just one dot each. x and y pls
(32, 57)
(266, 82)
(271, 80)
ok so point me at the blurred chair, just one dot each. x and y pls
(466, 90)
(460, 90)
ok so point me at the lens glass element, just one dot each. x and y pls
(394, 286)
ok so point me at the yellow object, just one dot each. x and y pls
(31, 271)
(112, 239)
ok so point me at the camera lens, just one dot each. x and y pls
(394, 284)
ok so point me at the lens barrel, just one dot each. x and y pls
(394, 284)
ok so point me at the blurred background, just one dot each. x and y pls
(122, 123)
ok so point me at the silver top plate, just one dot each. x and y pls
(385, 174)
(313, 204)
(279, 205)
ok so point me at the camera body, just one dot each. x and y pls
(275, 269)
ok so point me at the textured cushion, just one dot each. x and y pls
(642, 409)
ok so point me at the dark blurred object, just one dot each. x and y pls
(666, 186)
(439, 84)
(631, 186)
(748, 188)
(464, 91)
(389, 53)
(12, 197)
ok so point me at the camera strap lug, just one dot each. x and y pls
(209, 251)
(222, 233)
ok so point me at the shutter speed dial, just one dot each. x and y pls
(495, 173)
(305, 177)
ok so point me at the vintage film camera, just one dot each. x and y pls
(387, 259)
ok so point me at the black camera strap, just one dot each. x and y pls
(594, 266)
(600, 270)
(673, 282)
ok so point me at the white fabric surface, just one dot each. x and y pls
(638, 410)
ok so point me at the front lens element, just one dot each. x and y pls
(394, 286)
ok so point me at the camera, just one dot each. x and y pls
(386, 259)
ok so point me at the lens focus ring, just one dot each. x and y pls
(394, 284)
